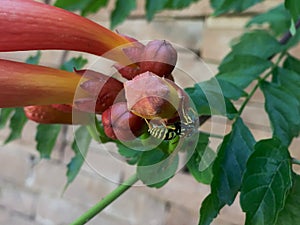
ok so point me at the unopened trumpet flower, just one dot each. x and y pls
(119, 123)
(150, 96)
(158, 57)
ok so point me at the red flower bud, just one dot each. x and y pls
(159, 57)
(121, 124)
(150, 96)
(103, 91)
(128, 72)
(134, 53)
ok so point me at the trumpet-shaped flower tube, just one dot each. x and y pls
(47, 114)
(30, 25)
(23, 85)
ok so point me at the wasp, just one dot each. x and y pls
(168, 132)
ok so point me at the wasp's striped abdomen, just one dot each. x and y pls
(165, 132)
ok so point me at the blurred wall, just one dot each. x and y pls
(30, 189)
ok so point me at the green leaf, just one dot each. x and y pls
(86, 7)
(200, 164)
(34, 59)
(121, 11)
(283, 110)
(132, 156)
(156, 167)
(277, 18)
(80, 147)
(243, 69)
(154, 6)
(266, 182)
(76, 62)
(252, 43)
(289, 81)
(230, 90)
(17, 123)
(293, 6)
(45, 137)
(224, 6)
(4, 116)
(228, 170)
(292, 63)
(290, 213)
(209, 99)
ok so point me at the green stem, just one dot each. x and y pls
(259, 82)
(108, 199)
(295, 161)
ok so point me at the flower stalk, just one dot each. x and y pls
(108, 199)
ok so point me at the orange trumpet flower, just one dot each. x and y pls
(30, 25)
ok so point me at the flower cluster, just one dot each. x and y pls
(47, 94)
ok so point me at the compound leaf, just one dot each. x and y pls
(266, 182)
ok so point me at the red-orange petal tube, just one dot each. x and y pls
(23, 84)
(30, 25)
(48, 114)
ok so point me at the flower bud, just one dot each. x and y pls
(128, 72)
(121, 124)
(150, 96)
(159, 57)
(134, 53)
(102, 92)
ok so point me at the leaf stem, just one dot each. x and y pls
(259, 82)
(295, 161)
(108, 199)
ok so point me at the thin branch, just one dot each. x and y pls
(287, 36)
(108, 199)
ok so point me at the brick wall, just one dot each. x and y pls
(30, 189)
